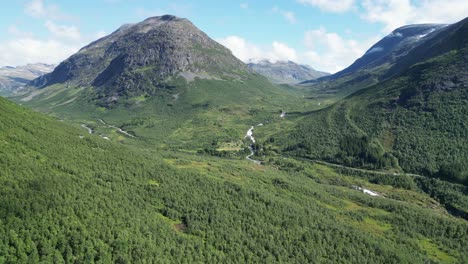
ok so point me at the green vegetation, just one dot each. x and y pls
(162, 175)
(416, 122)
(66, 198)
(196, 115)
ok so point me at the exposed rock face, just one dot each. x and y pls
(285, 71)
(13, 79)
(138, 57)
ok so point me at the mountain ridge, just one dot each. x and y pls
(394, 45)
(13, 79)
(287, 72)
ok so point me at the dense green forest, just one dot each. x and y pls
(70, 197)
(416, 122)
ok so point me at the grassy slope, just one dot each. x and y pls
(190, 116)
(72, 199)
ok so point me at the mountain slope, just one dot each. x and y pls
(381, 61)
(392, 47)
(415, 120)
(286, 72)
(66, 196)
(13, 79)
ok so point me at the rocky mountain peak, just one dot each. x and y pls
(139, 57)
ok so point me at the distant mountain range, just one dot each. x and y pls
(14, 78)
(286, 72)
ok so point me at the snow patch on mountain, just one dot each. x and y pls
(375, 49)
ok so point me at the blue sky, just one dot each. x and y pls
(327, 35)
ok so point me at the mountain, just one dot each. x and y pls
(379, 61)
(14, 78)
(163, 70)
(414, 120)
(286, 72)
(138, 58)
(393, 47)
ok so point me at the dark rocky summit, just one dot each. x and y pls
(138, 58)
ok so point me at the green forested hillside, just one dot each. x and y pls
(416, 122)
(77, 198)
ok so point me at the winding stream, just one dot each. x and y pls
(90, 130)
(118, 128)
(366, 191)
(249, 135)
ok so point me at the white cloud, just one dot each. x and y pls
(281, 52)
(337, 6)
(35, 8)
(15, 31)
(26, 50)
(23, 47)
(247, 51)
(38, 9)
(288, 15)
(244, 5)
(20, 47)
(397, 13)
(241, 48)
(328, 51)
(61, 31)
